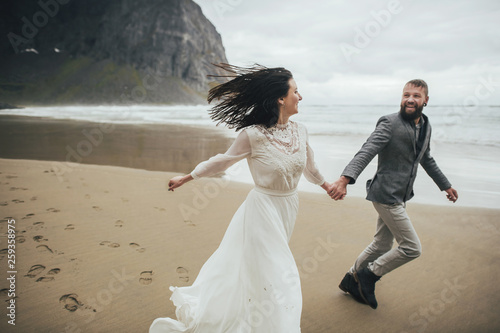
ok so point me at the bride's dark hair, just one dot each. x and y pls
(250, 97)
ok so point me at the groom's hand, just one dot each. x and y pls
(338, 190)
(452, 194)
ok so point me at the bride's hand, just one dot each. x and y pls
(326, 186)
(178, 181)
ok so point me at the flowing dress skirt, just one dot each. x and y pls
(250, 284)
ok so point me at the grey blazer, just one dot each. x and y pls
(394, 142)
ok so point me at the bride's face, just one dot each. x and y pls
(291, 101)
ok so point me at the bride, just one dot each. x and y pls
(251, 284)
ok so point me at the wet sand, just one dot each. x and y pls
(174, 148)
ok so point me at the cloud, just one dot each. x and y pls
(362, 52)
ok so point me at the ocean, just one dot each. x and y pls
(465, 142)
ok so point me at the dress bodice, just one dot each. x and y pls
(277, 157)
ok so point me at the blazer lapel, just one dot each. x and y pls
(411, 133)
(427, 136)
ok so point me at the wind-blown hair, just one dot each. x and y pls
(250, 97)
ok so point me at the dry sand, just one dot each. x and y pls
(97, 251)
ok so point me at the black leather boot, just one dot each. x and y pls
(366, 286)
(350, 286)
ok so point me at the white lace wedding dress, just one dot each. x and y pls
(251, 284)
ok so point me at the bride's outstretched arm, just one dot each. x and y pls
(311, 171)
(178, 181)
(239, 149)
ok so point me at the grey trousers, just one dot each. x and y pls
(379, 256)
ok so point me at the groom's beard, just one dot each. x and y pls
(411, 116)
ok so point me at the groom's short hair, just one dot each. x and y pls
(419, 83)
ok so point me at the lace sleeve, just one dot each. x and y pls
(220, 162)
(311, 171)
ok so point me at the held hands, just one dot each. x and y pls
(338, 189)
(178, 181)
(451, 194)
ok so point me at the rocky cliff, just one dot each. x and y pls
(106, 51)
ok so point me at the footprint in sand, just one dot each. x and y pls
(33, 198)
(10, 177)
(44, 248)
(71, 302)
(3, 252)
(53, 210)
(45, 279)
(53, 271)
(70, 227)
(17, 201)
(87, 196)
(146, 277)
(20, 239)
(28, 216)
(124, 200)
(4, 203)
(109, 244)
(190, 223)
(4, 293)
(97, 208)
(18, 188)
(137, 247)
(38, 225)
(35, 270)
(119, 223)
(39, 239)
(183, 274)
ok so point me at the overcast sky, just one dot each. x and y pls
(363, 51)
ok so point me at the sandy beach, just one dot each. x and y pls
(97, 246)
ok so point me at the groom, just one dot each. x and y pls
(401, 141)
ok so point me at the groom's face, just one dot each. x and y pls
(412, 102)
